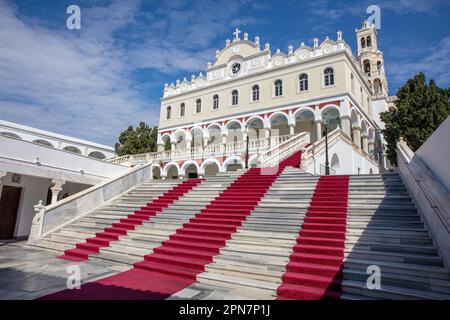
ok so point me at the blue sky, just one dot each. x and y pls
(94, 82)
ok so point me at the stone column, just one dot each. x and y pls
(160, 147)
(172, 146)
(346, 125)
(224, 142)
(291, 130)
(318, 125)
(364, 146)
(56, 189)
(357, 136)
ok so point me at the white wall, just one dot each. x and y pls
(435, 153)
(20, 156)
(33, 190)
(378, 106)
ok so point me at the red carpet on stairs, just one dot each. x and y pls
(177, 262)
(315, 268)
(102, 239)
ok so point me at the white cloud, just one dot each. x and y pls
(81, 82)
(434, 62)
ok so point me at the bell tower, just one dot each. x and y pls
(371, 59)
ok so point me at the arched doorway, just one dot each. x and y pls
(156, 173)
(304, 122)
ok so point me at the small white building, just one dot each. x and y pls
(38, 165)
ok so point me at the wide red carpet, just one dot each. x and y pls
(315, 267)
(177, 262)
(102, 239)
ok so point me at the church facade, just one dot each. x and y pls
(250, 94)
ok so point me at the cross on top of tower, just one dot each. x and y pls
(236, 33)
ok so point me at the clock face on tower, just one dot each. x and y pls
(235, 68)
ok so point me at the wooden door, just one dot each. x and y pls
(9, 208)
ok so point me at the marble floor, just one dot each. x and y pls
(29, 273)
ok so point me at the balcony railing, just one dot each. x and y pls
(213, 150)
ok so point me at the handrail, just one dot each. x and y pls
(266, 158)
(230, 148)
(427, 195)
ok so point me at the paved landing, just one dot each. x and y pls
(29, 273)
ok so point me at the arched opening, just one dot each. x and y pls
(304, 122)
(369, 41)
(215, 135)
(279, 125)
(97, 155)
(334, 120)
(335, 163)
(166, 140)
(234, 98)
(156, 173)
(44, 143)
(255, 128)
(191, 171)
(169, 112)
(366, 65)
(234, 132)
(363, 43)
(379, 66)
(182, 109)
(377, 86)
(10, 135)
(211, 169)
(197, 137)
(180, 140)
(72, 149)
(172, 172)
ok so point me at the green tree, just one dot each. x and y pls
(140, 140)
(421, 108)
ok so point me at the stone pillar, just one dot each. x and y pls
(224, 142)
(318, 125)
(172, 146)
(56, 189)
(291, 130)
(364, 146)
(346, 125)
(357, 136)
(160, 148)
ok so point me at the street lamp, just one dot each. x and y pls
(246, 147)
(325, 122)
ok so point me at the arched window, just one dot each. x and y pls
(234, 98)
(216, 102)
(329, 77)
(367, 66)
(303, 82)
(369, 41)
(379, 66)
(198, 106)
(255, 93)
(169, 112)
(182, 109)
(278, 88)
(363, 43)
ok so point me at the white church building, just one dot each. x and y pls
(252, 107)
(277, 100)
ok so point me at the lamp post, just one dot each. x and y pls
(325, 122)
(246, 146)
